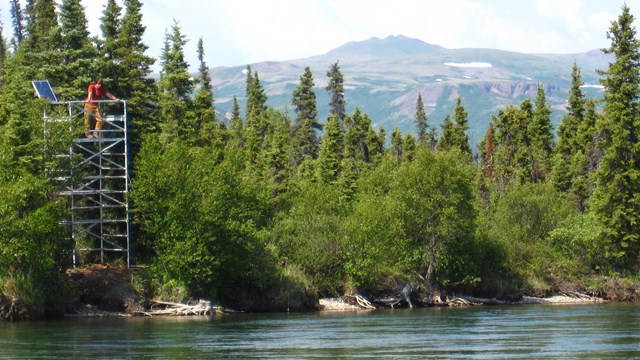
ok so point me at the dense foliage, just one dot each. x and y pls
(266, 212)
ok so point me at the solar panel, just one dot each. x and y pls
(44, 90)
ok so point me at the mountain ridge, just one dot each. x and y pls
(383, 78)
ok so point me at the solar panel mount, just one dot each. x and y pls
(44, 90)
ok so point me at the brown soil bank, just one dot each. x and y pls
(105, 289)
(616, 289)
(108, 288)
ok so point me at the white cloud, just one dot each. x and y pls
(240, 32)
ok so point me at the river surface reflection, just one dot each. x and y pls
(489, 332)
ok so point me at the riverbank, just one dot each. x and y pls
(340, 304)
(108, 290)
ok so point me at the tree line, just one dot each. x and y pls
(266, 211)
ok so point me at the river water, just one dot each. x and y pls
(609, 331)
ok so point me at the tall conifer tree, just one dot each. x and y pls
(77, 54)
(110, 27)
(331, 151)
(247, 91)
(397, 148)
(356, 142)
(176, 86)
(41, 22)
(203, 102)
(3, 52)
(567, 145)
(409, 147)
(235, 124)
(274, 156)
(335, 87)
(17, 17)
(461, 140)
(135, 84)
(256, 124)
(487, 151)
(304, 102)
(616, 200)
(541, 137)
(421, 120)
(426, 134)
(447, 137)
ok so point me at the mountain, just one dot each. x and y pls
(383, 77)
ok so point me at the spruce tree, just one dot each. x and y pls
(382, 138)
(41, 22)
(447, 137)
(487, 151)
(256, 101)
(274, 156)
(110, 26)
(461, 140)
(38, 53)
(541, 137)
(356, 137)
(28, 16)
(335, 87)
(21, 125)
(426, 134)
(421, 120)
(523, 155)
(247, 90)
(397, 147)
(3, 52)
(203, 102)
(17, 17)
(567, 145)
(256, 98)
(77, 54)
(575, 114)
(331, 151)
(175, 87)
(586, 160)
(587, 128)
(575, 110)
(409, 148)
(135, 83)
(256, 124)
(235, 124)
(304, 102)
(616, 200)
(511, 160)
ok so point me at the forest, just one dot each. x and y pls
(268, 211)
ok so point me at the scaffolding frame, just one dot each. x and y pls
(96, 182)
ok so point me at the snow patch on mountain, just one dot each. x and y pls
(469, 65)
(592, 86)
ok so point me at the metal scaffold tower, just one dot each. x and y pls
(95, 180)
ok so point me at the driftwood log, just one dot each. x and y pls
(361, 301)
(392, 301)
(165, 308)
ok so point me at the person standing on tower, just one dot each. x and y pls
(95, 92)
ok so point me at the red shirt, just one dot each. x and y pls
(95, 93)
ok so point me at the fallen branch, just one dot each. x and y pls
(203, 307)
(362, 302)
(457, 301)
(390, 301)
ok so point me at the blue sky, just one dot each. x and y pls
(240, 32)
